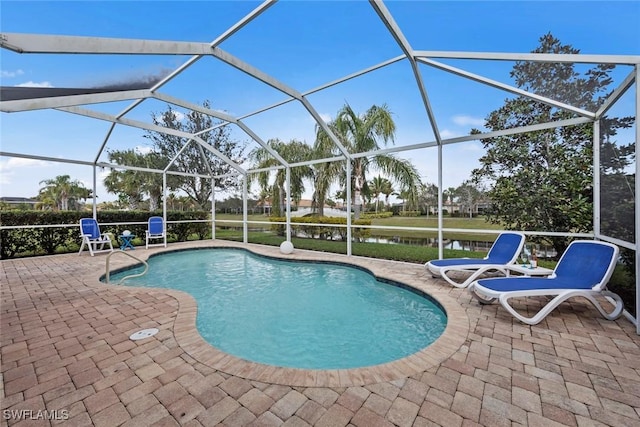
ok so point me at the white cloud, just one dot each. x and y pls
(9, 74)
(325, 117)
(14, 165)
(35, 84)
(179, 116)
(463, 120)
(446, 133)
(18, 162)
(143, 149)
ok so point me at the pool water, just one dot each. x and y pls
(296, 314)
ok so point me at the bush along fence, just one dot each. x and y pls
(302, 227)
(49, 240)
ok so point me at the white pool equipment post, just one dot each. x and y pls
(95, 200)
(164, 203)
(348, 160)
(440, 219)
(213, 209)
(245, 229)
(288, 201)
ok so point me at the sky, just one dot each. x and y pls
(303, 44)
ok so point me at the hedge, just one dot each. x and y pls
(378, 215)
(50, 240)
(324, 231)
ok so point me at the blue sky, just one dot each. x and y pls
(302, 43)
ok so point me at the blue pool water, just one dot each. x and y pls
(296, 314)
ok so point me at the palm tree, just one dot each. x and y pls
(375, 187)
(358, 134)
(387, 190)
(61, 192)
(293, 151)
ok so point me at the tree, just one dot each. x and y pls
(388, 191)
(62, 193)
(132, 185)
(427, 197)
(294, 151)
(375, 187)
(468, 196)
(361, 133)
(195, 159)
(617, 190)
(542, 180)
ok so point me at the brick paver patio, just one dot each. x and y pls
(66, 354)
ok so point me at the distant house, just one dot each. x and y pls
(15, 202)
(303, 204)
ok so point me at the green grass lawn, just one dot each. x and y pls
(397, 221)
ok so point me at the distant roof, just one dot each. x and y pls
(18, 200)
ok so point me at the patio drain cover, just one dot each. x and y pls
(145, 333)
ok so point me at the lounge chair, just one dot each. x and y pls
(504, 251)
(583, 271)
(92, 238)
(156, 230)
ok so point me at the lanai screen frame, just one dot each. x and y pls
(35, 43)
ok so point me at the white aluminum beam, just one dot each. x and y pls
(236, 27)
(278, 85)
(617, 94)
(317, 161)
(175, 157)
(249, 69)
(141, 169)
(104, 142)
(326, 85)
(264, 145)
(270, 169)
(316, 116)
(51, 43)
(474, 137)
(288, 202)
(127, 167)
(507, 87)
(153, 128)
(597, 145)
(194, 107)
(242, 22)
(45, 158)
(356, 74)
(637, 201)
(397, 34)
(71, 100)
(204, 159)
(533, 57)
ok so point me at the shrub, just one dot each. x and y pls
(49, 240)
(323, 231)
(409, 213)
(376, 215)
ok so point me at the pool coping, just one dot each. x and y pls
(190, 340)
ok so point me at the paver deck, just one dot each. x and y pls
(66, 354)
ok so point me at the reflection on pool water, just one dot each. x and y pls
(296, 314)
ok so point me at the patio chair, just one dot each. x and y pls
(504, 251)
(583, 271)
(156, 230)
(92, 238)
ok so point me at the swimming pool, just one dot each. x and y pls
(297, 314)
